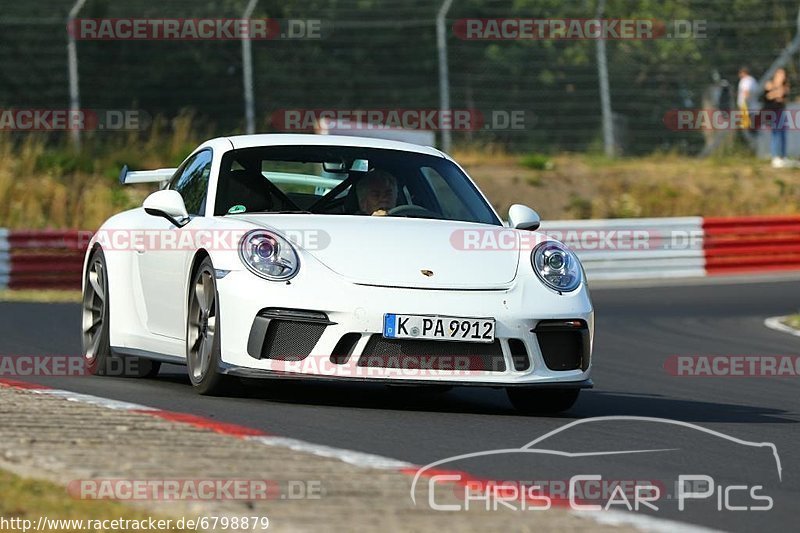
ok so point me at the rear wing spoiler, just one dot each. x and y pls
(126, 177)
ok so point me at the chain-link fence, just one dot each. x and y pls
(383, 54)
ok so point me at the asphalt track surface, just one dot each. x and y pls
(637, 330)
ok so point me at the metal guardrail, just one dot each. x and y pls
(5, 259)
(42, 259)
(634, 248)
(616, 249)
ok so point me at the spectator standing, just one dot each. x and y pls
(747, 103)
(775, 97)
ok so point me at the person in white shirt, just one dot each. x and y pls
(747, 102)
(746, 94)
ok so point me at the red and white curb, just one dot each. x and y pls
(351, 457)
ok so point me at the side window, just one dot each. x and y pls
(191, 181)
(452, 207)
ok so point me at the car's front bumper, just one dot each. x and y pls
(351, 308)
(255, 373)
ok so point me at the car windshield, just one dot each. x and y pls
(347, 181)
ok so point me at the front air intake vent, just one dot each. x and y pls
(414, 354)
(564, 344)
(519, 355)
(286, 334)
(344, 348)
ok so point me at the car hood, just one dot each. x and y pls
(398, 252)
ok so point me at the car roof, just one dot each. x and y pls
(289, 139)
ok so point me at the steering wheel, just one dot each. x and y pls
(409, 210)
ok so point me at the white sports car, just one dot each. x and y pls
(335, 257)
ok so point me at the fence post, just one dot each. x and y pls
(72, 66)
(784, 57)
(444, 75)
(605, 97)
(247, 73)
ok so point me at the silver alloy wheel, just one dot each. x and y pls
(94, 309)
(202, 324)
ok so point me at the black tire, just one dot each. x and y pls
(202, 333)
(542, 401)
(96, 339)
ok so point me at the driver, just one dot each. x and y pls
(377, 193)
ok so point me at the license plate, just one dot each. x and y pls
(444, 328)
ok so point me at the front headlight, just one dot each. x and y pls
(269, 255)
(556, 266)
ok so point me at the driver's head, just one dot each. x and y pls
(376, 191)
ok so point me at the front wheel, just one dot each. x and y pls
(202, 333)
(542, 401)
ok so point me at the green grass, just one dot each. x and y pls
(41, 296)
(658, 185)
(47, 185)
(536, 162)
(792, 321)
(26, 499)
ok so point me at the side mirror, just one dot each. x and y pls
(168, 204)
(523, 217)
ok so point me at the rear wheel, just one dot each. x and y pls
(202, 333)
(542, 401)
(96, 338)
